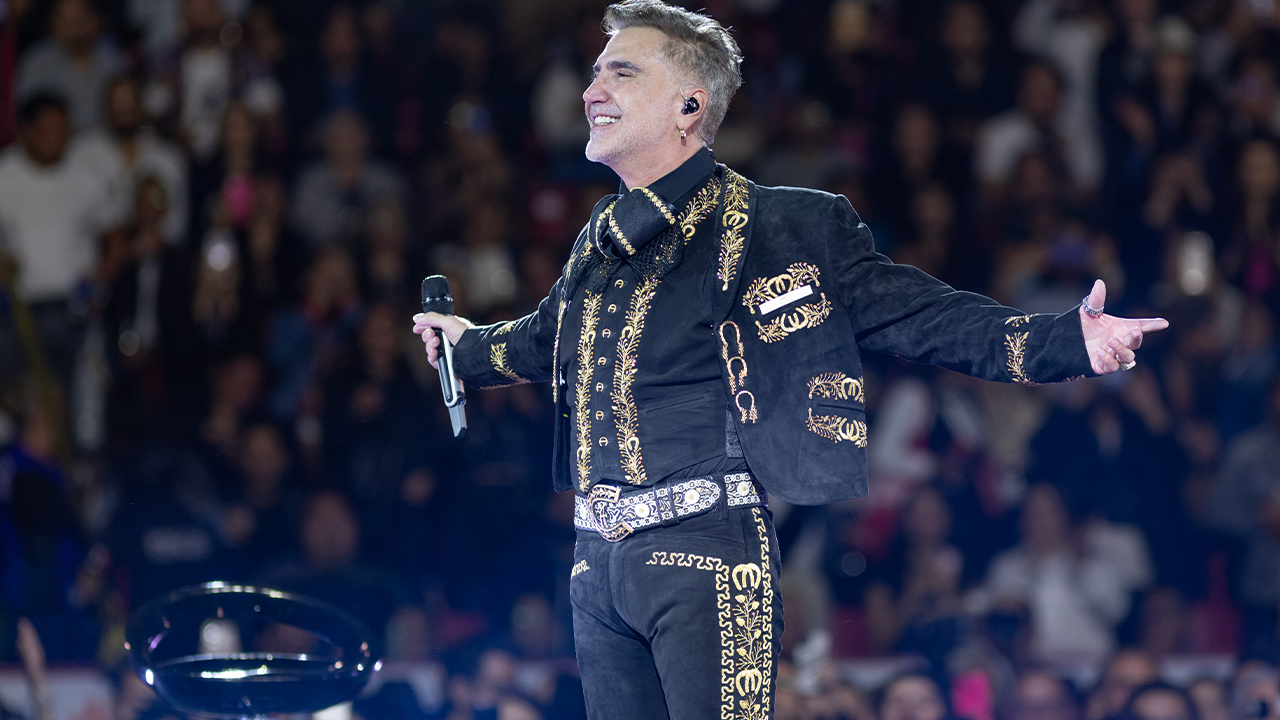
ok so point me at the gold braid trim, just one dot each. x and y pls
(625, 413)
(617, 232)
(836, 385)
(555, 355)
(1016, 346)
(498, 356)
(836, 428)
(582, 388)
(658, 203)
(734, 219)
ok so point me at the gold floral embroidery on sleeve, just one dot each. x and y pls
(582, 387)
(734, 220)
(505, 328)
(625, 413)
(498, 356)
(836, 385)
(1018, 320)
(1015, 346)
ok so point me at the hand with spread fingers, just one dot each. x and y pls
(1111, 341)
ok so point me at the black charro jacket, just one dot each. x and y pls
(799, 292)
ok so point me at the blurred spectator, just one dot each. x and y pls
(161, 21)
(333, 195)
(262, 511)
(390, 263)
(148, 321)
(192, 84)
(1211, 698)
(1249, 260)
(913, 697)
(483, 258)
(1246, 503)
(1160, 701)
(330, 568)
(969, 76)
(1255, 694)
(1255, 100)
(913, 600)
(1034, 124)
(224, 187)
(126, 150)
(919, 155)
(306, 340)
(806, 157)
(344, 79)
(53, 214)
(1124, 672)
(1076, 597)
(1041, 695)
(76, 62)
(48, 574)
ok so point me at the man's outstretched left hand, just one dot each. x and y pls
(1111, 340)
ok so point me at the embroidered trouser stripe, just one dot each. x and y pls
(682, 622)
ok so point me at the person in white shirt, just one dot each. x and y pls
(1075, 585)
(53, 215)
(125, 152)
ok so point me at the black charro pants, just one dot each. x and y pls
(681, 622)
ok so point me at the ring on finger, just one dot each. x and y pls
(1129, 365)
(1089, 309)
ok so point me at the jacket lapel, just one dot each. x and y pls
(733, 235)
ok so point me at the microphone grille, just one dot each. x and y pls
(436, 296)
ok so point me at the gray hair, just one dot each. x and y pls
(696, 44)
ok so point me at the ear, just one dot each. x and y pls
(692, 120)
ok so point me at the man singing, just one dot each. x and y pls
(703, 346)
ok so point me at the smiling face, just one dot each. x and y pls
(634, 104)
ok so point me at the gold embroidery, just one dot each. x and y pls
(749, 412)
(702, 204)
(734, 219)
(735, 381)
(625, 412)
(746, 636)
(658, 203)
(679, 559)
(555, 356)
(617, 233)
(1016, 346)
(582, 394)
(836, 385)
(836, 428)
(1018, 320)
(505, 328)
(808, 315)
(762, 290)
(605, 216)
(578, 568)
(498, 355)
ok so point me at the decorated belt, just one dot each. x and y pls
(616, 513)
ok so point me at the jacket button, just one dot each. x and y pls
(604, 442)
(612, 308)
(618, 283)
(600, 387)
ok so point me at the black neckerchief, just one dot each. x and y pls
(624, 226)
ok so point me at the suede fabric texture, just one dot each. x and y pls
(803, 293)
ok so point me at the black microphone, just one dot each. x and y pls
(437, 298)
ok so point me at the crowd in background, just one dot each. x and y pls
(215, 214)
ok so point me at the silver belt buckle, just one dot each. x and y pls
(602, 501)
